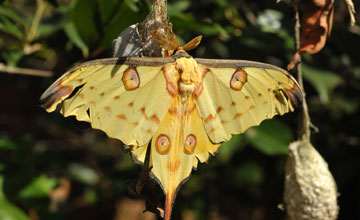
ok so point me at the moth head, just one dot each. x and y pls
(188, 71)
(190, 77)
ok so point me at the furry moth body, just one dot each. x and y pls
(182, 108)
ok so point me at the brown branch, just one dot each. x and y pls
(25, 71)
(32, 34)
(304, 129)
(160, 10)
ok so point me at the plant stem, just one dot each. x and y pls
(304, 128)
(24, 71)
(160, 10)
(32, 34)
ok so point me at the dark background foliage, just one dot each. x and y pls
(56, 168)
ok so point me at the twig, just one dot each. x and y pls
(25, 71)
(250, 16)
(304, 129)
(32, 34)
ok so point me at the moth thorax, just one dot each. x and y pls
(186, 89)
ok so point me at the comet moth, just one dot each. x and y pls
(178, 108)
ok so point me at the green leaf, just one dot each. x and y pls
(131, 4)
(90, 196)
(222, 3)
(98, 23)
(221, 49)
(323, 81)
(227, 149)
(84, 17)
(12, 22)
(271, 137)
(188, 22)
(14, 56)
(2, 166)
(6, 144)
(39, 187)
(176, 8)
(9, 211)
(213, 29)
(124, 163)
(8, 11)
(107, 9)
(346, 104)
(10, 27)
(75, 38)
(116, 23)
(249, 173)
(45, 30)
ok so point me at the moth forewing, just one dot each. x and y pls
(240, 94)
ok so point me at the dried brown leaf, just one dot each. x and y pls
(316, 25)
(351, 8)
(59, 195)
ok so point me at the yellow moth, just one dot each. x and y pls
(179, 108)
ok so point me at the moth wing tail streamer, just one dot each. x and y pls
(127, 100)
(241, 94)
(176, 147)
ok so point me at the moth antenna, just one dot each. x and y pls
(191, 44)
